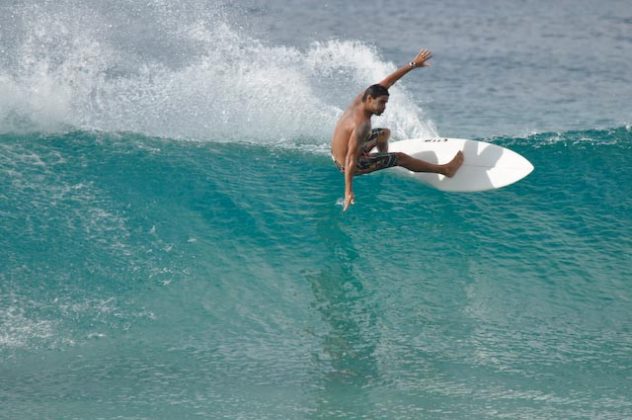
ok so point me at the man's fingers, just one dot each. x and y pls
(422, 58)
(424, 54)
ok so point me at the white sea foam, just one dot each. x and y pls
(17, 329)
(202, 78)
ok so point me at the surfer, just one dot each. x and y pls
(353, 138)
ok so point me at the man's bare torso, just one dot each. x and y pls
(348, 121)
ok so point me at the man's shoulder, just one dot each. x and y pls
(354, 105)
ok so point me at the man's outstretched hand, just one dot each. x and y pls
(422, 58)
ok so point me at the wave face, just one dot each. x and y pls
(153, 277)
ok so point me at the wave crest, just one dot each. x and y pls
(200, 79)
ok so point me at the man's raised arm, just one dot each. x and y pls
(419, 61)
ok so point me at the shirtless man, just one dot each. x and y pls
(353, 137)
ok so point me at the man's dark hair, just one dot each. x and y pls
(375, 91)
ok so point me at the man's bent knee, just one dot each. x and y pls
(384, 135)
(382, 140)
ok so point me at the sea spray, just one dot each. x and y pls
(201, 78)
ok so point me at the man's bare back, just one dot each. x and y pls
(353, 137)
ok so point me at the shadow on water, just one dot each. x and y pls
(346, 358)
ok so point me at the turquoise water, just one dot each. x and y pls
(172, 243)
(150, 277)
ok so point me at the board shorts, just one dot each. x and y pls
(369, 162)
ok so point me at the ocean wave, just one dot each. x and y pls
(201, 77)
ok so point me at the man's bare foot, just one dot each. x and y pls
(450, 168)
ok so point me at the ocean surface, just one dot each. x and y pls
(172, 243)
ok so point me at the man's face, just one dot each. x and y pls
(378, 105)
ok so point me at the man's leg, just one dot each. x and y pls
(379, 138)
(418, 165)
(382, 140)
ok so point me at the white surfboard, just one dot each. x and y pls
(486, 166)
